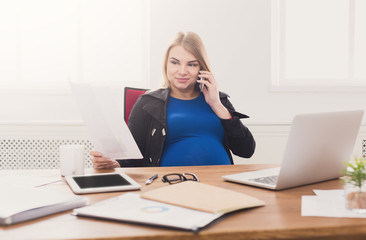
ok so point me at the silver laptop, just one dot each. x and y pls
(317, 147)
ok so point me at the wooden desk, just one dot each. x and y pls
(279, 219)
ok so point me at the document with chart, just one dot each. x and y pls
(188, 205)
(130, 207)
(103, 118)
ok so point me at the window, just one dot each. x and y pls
(318, 43)
(45, 42)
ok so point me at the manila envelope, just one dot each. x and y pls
(203, 197)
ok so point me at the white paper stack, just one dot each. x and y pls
(327, 203)
(20, 204)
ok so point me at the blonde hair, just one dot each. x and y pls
(192, 43)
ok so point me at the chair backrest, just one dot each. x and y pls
(130, 97)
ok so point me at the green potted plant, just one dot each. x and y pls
(355, 185)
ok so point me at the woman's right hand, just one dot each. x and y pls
(100, 162)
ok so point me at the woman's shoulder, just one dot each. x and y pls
(160, 93)
(223, 95)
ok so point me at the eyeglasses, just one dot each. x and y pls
(177, 177)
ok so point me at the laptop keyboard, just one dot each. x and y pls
(271, 180)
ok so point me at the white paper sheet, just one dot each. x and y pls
(329, 193)
(327, 203)
(104, 121)
(16, 180)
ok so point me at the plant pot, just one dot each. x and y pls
(356, 198)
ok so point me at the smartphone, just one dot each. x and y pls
(201, 85)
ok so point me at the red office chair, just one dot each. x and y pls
(131, 95)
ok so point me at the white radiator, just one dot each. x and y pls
(37, 153)
(22, 149)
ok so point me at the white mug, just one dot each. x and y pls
(72, 159)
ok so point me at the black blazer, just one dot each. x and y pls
(148, 126)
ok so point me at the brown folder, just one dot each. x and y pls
(203, 197)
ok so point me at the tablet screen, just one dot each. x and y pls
(99, 181)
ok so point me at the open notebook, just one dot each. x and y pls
(188, 205)
(203, 197)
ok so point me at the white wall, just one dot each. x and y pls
(44, 43)
(237, 37)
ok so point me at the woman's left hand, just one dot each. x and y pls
(211, 93)
(210, 89)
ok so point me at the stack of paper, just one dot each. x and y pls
(327, 203)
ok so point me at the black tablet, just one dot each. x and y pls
(103, 182)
